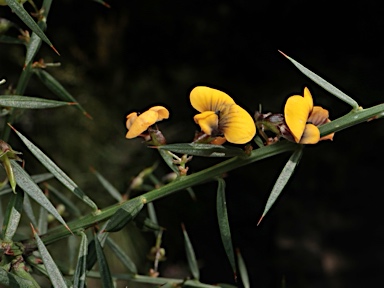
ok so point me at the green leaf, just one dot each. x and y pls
(52, 84)
(14, 281)
(43, 221)
(29, 186)
(323, 83)
(27, 205)
(205, 150)
(64, 200)
(56, 171)
(27, 102)
(168, 159)
(12, 216)
(123, 257)
(28, 20)
(37, 178)
(53, 271)
(108, 186)
(225, 231)
(283, 178)
(79, 277)
(105, 273)
(192, 262)
(126, 213)
(242, 269)
(10, 40)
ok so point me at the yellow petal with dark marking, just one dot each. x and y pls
(208, 122)
(311, 135)
(208, 99)
(238, 126)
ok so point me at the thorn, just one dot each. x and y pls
(72, 103)
(261, 218)
(9, 124)
(286, 56)
(33, 229)
(183, 226)
(106, 4)
(54, 49)
(86, 114)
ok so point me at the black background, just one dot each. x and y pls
(325, 230)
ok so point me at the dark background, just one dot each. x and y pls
(326, 229)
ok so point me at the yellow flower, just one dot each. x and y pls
(138, 123)
(221, 116)
(302, 118)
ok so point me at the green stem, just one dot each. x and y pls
(353, 118)
(60, 232)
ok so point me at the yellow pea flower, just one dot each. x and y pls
(138, 123)
(221, 117)
(302, 118)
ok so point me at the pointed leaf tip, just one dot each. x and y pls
(261, 218)
(282, 53)
(54, 49)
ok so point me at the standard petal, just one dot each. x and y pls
(238, 126)
(311, 135)
(208, 99)
(208, 122)
(319, 116)
(296, 112)
(163, 112)
(142, 122)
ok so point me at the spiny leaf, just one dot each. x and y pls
(105, 273)
(79, 277)
(283, 178)
(27, 102)
(54, 273)
(12, 216)
(125, 214)
(323, 83)
(242, 269)
(206, 150)
(29, 186)
(107, 185)
(123, 257)
(192, 262)
(56, 171)
(28, 20)
(52, 84)
(225, 231)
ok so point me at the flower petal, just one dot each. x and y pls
(311, 135)
(319, 116)
(163, 112)
(208, 99)
(141, 123)
(130, 119)
(308, 98)
(208, 122)
(238, 126)
(296, 112)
